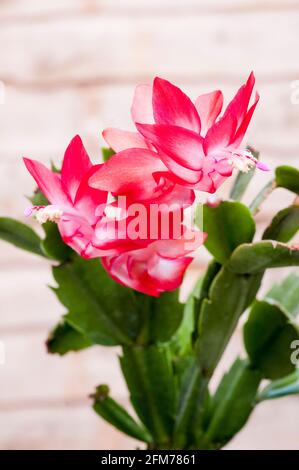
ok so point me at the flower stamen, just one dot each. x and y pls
(44, 214)
(244, 161)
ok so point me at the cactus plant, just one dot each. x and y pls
(170, 350)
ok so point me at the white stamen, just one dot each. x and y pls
(51, 213)
(243, 160)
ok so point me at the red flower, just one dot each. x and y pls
(198, 149)
(76, 207)
(180, 147)
(158, 268)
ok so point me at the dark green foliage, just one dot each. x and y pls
(20, 235)
(64, 338)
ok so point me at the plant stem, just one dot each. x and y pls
(149, 379)
(144, 334)
(192, 394)
(262, 195)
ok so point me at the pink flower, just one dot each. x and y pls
(77, 208)
(141, 176)
(198, 149)
(82, 212)
(158, 268)
(74, 205)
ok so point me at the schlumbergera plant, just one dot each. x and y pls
(119, 241)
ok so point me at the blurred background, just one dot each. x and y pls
(68, 67)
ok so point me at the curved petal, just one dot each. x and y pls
(178, 173)
(168, 273)
(142, 108)
(129, 173)
(189, 242)
(89, 201)
(175, 194)
(130, 272)
(237, 139)
(239, 104)
(76, 163)
(209, 107)
(172, 106)
(220, 134)
(120, 140)
(183, 145)
(110, 234)
(223, 167)
(206, 184)
(211, 182)
(48, 182)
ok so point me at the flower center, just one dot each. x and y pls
(244, 161)
(45, 213)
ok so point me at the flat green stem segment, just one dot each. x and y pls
(253, 258)
(161, 317)
(98, 307)
(52, 245)
(64, 338)
(233, 402)
(191, 397)
(242, 180)
(288, 385)
(262, 196)
(287, 177)
(150, 378)
(268, 335)
(286, 294)
(20, 235)
(228, 225)
(115, 414)
(284, 225)
(229, 296)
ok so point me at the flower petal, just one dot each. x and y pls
(237, 139)
(189, 242)
(89, 201)
(129, 173)
(209, 107)
(48, 182)
(239, 104)
(130, 272)
(172, 106)
(120, 140)
(142, 109)
(76, 163)
(183, 145)
(168, 273)
(220, 134)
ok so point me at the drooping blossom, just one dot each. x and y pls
(138, 175)
(198, 148)
(158, 268)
